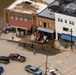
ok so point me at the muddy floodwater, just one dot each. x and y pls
(3, 4)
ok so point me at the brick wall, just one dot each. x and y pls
(8, 14)
(45, 20)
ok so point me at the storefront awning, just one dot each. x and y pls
(45, 30)
(20, 24)
(68, 37)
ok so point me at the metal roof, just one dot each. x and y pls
(63, 8)
(48, 1)
(47, 13)
(45, 30)
(69, 9)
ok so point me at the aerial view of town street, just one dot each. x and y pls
(37, 37)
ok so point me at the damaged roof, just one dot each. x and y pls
(26, 6)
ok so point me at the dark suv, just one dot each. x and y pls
(4, 59)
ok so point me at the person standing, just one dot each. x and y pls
(22, 33)
(17, 34)
(44, 38)
(34, 52)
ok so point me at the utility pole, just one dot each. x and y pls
(46, 64)
(71, 38)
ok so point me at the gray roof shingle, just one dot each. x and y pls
(47, 14)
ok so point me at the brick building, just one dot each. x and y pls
(46, 22)
(23, 14)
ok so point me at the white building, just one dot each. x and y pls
(65, 21)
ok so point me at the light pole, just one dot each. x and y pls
(46, 64)
(71, 38)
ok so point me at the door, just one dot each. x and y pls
(44, 25)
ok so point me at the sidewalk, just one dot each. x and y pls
(8, 36)
(28, 39)
(59, 46)
(25, 39)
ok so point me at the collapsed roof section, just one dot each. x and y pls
(26, 6)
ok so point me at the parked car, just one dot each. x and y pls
(4, 59)
(53, 72)
(34, 70)
(17, 57)
(1, 69)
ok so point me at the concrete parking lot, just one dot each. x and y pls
(65, 62)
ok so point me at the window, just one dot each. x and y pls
(32, 70)
(69, 22)
(40, 23)
(20, 18)
(49, 25)
(58, 19)
(61, 20)
(12, 17)
(29, 19)
(65, 21)
(44, 25)
(16, 18)
(25, 19)
(72, 23)
(37, 69)
(65, 29)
